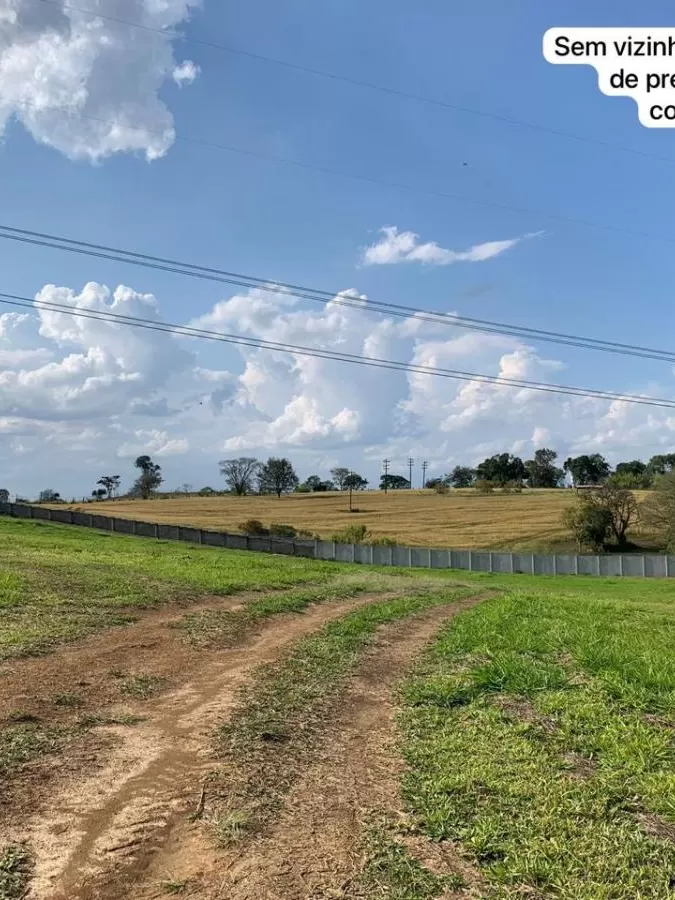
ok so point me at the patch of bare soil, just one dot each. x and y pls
(120, 790)
(314, 850)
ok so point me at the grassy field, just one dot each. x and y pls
(537, 733)
(58, 583)
(459, 519)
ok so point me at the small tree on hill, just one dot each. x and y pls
(593, 469)
(150, 478)
(542, 471)
(340, 476)
(110, 484)
(355, 482)
(394, 483)
(501, 468)
(49, 496)
(239, 474)
(314, 485)
(277, 476)
(462, 477)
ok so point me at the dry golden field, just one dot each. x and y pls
(459, 519)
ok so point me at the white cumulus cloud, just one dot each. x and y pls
(404, 246)
(185, 73)
(86, 84)
(81, 396)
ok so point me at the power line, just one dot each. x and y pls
(193, 270)
(368, 85)
(337, 356)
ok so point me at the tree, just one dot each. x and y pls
(340, 476)
(99, 494)
(186, 488)
(49, 496)
(631, 481)
(206, 491)
(277, 476)
(634, 467)
(462, 477)
(110, 484)
(662, 465)
(239, 474)
(622, 507)
(658, 510)
(4, 495)
(542, 471)
(433, 484)
(593, 469)
(314, 485)
(394, 483)
(589, 524)
(149, 479)
(354, 482)
(501, 468)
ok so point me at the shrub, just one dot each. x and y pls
(254, 527)
(280, 530)
(484, 487)
(440, 487)
(590, 525)
(383, 541)
(302, 533)
(352, 534)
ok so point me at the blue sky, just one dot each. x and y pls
(286, 223)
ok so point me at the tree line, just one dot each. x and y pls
(247, 475)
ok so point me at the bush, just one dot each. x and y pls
(485, 487)
(590, 525)
(253, 527)
(440, 487)
(280, 530)
(308, 535)
(352, 534)
(383, 541)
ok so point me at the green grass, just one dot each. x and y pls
(389, 872)
(218, 628)
(16, 867)
(281, 713)
(142, 687)
(59, 583)
(24, 741)
(539, 734)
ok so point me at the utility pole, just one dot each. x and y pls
(425, 466)
(351, 484)
(385, 466)
(411, 463)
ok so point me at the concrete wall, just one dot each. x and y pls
(607, 565)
